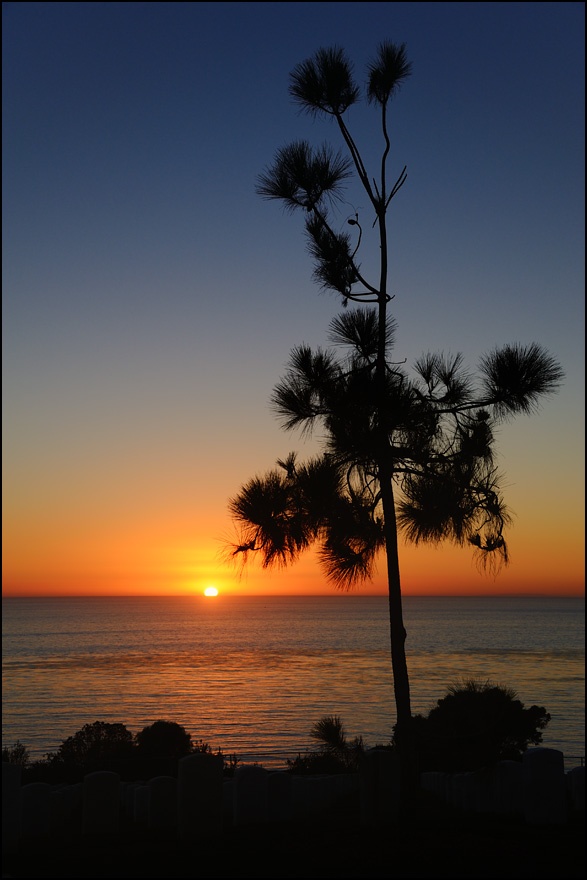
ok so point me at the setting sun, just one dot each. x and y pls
(210, 591)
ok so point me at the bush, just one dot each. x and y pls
(166, 739)
(336, 754)
(97, 742)
(16, 754)
(154, 751)
(475, 725)
(315, 764)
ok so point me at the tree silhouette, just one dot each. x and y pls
(475, 725)
(16, 754)
(100, 741)
(164, 739)
(330, 733)
(410, 453)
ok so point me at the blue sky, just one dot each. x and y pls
(151, 297)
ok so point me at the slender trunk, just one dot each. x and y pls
(399, 664)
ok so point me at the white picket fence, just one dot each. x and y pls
(200, 802)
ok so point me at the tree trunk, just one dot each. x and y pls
(401, 684)
(399, 664)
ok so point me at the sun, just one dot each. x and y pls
(210, 591)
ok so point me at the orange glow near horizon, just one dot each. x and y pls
(130, 553)
(424, 571)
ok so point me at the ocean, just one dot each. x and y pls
(250, 675)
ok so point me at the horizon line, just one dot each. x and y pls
(333, 595)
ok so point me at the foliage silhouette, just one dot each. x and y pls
(475, 725)
(16, 754)
(400, 453)
(100, 741)
(98, 746)
(165, 739)
(154, 751)
(316, 763)
(330, 732)
(335, 753)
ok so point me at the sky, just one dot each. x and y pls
(151, 298)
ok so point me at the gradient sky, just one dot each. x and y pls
(151, 298)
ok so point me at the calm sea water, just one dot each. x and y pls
(251, 675)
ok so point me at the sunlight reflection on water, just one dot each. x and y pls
(255, 677)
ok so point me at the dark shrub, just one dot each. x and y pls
(97, 746)
(336, 754)
(16, 754)
(165, 739)
(96, 742)
(316, 763)
(475, 725)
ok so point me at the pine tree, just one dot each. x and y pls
(410, 453)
